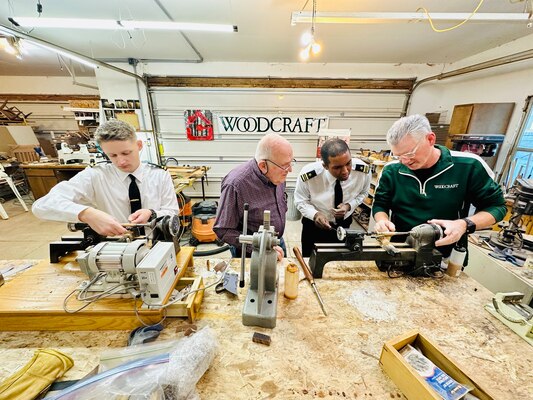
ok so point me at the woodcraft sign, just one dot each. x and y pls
(282, 124)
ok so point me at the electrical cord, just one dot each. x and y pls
(187, 293)
(136, 310)
(167, 159)
(106, 293)
(100, 295)
(66, 309)
(211, 252)
(452, 27)
(183, 295)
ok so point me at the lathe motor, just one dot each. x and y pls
(129, 268)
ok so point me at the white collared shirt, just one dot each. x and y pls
(106, 188)
(316, 194)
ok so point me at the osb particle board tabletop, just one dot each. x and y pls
(313, 356)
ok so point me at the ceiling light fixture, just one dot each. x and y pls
(67, 55)
(109, 24)
(308, 39)
(306, 17)
(11, 36)
(12, 45)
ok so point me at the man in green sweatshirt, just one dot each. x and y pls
(430, 183)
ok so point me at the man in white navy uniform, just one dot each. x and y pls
(109, 195)
(327, 193)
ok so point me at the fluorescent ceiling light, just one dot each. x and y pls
(76, 23)
(177, 26)
(66, 54)
(388, 17)
(81, 23)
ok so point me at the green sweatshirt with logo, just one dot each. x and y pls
(458, 181)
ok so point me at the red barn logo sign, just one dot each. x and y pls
(199, 124)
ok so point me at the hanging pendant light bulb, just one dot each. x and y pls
(308, 40)
(316, 47)
(305, 53)
(12, 45)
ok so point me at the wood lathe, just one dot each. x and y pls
(417, 256)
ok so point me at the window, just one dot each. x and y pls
(522, 159)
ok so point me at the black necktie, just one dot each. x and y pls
(338, 200)
(135, 200)
(135, 195)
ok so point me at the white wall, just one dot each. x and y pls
(114, 85)
(509, 83)
(45, 85)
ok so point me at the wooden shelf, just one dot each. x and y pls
(77, 109)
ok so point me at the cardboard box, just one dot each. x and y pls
(412, 385)
(15, 135)
(433, 118)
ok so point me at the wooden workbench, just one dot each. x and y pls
(334, 357)
(33, 300)
(42, 177)
(184, 177)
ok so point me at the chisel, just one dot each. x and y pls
(309, 276)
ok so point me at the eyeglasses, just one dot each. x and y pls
(291, 164)
(409, 154)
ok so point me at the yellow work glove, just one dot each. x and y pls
(44, 368)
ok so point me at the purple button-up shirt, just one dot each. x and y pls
(247, 184)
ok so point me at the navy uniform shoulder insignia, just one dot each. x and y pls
(365, 168)
(308, 175)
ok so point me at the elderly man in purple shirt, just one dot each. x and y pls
(260, 182)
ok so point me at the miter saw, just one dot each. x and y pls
(416, 257)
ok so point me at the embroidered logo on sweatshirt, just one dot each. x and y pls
(451, 186)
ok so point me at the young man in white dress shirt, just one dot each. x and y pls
(327, 193)
(100, 196)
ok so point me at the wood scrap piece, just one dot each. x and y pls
(261, 338)
(186, 328)
(189, 331)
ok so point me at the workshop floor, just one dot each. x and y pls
(24, 236)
